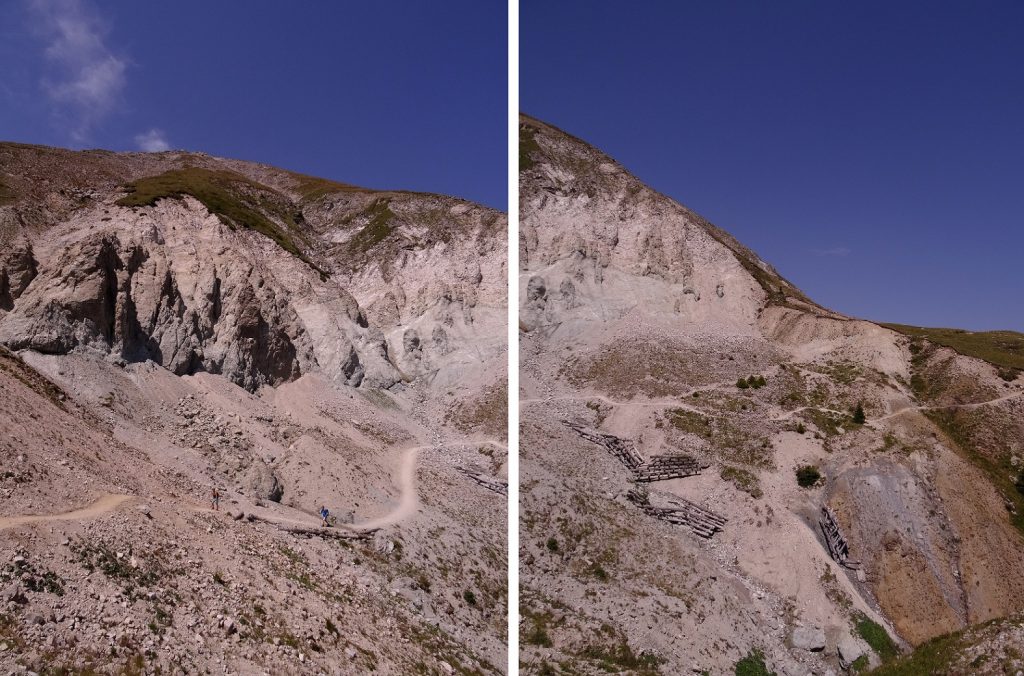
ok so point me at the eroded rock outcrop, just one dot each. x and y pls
(262, 284)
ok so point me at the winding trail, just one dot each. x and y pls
(970, 406)
(106, 503)
(407, 504)
(407, 484)
(681, 403)
(676, 402)
(789, 414)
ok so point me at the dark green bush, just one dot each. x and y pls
(858, 415)
(807, 476)
(753, 665)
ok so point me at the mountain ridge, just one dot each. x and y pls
(643, 330)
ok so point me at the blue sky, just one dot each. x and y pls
(385, 94)
(872, 151)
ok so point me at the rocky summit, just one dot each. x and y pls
(720, 475)
(200, 353)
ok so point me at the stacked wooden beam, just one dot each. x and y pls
(488, 482)
(663, 467)
(335, 533)
(836, 544)
(622, 449)
(703, 522)
(341, 532)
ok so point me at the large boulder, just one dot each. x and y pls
(264, 484)
(849, 650)
(809, 638)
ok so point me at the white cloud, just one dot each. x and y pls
(85, 78)
(152, 141)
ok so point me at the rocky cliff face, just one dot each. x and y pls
(175, 323)
(202, 264)
(644, 322)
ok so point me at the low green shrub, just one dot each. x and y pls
(807, 476)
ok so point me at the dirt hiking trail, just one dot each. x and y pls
(407, 484)
(104, 504)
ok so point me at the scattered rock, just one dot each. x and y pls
(809, 638)
(849, 649)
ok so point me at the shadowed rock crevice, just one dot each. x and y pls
(17, 270)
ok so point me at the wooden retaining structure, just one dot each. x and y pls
(664, 467)
(622, 449)
(835, 542)
(341, 532)
(702, 522)
(488, 482)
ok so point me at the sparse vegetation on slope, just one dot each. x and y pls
(988, 648)
(743, 479)
(1002, 348)
(233, 198)
(313, 188)
(7, 195)
(753, 665)
(377, 228)
(807, 476)
(527, 146)
(877, 637)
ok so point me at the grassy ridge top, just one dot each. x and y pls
(1002, 348)
(313, 187)
(236, 200)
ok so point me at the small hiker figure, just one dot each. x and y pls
(323, 516)
(215, 500)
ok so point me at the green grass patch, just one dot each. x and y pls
(237, 201)
(690, 422)
(1001, 348)
(377, 228)
(729, 439)
(536, 631)
(743, 479)
(528, 146)
(807, 476)
(842, 372)
(877, 637)
(753, 665)
(313, 188)
(934, 657)
(620, 658)
(828, 423)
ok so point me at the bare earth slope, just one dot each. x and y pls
(639, 319)
(175, 322)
